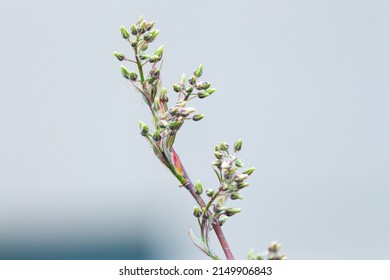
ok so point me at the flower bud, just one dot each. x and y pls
(240, 177)
(159, 51)
(189, 89)
(144, 128)
(192, 80)
(162, 124)
(198, 117)
(274, 247)
(175, 125)
(239, 163)
(218, 155)
(249, 171)
(119, 56)
(197, 212)
(198, 188)
(198, 71)
(143, 56)
(125, 72)
(210, 90)
(125, 33)
(149, 26)
(236, 195)
(242, 185)
(176, 88)
(134, 44)
(199, 86)
(217, 148)
(224, 146)
(144, 47)
(232, 211)
(202, 95)
(156, 136)
(209, 192)
(206, 85)
(238, 145)
(151, 35)
(222, 219)
(183, 79)
(217, 163)
(133, 30)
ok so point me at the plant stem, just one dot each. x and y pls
(217, 228)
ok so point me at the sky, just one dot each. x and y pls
(305, 84)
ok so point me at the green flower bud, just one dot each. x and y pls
(176, 88)
(154, 59)
(218, 155)
(144, 47)
(175, 125)
(238, 145)
(125, 33)
(144, 128)
(134, 44)
(240, 177)
(156, 136)
(236, 195)
(192, 80)
(143, 56)
(210, 90)
(251, 254)
(239, 163)
(197, 212)
(224, 146)
(274, 247)
(199, 86)
(217, 148)
(133, 76)
(232, 211)
(125, 72)
(159, 51)
(222, 219)
(198, 117)
(209, 192)
(242, 185)
(133, 30)
(149, 26)
(189, 89)
(183, 79)
(162, 124)
(206, 85)
(217, 163)
(198, 188)
(151, 35)
(119, 56)
(202, 95)
(249, 171)
(141, 19)
(198, 71)
(142, 28)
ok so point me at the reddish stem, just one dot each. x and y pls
(217, 228)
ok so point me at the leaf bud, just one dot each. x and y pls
(198, 71)
(125, 33)
(119, 56)
(209, 192)
(198, 117)
(197, 212)
(249, 171)
(198, 188)
(238, 145)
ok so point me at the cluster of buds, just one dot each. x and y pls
(273, 253)
(193, 87)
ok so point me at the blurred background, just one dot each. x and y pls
(304, 83)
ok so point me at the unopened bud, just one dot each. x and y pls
(143, 56)
(192, 80)
(176, 88)
(125, 33)
(197, 212)
(238, 145)
(240, 177)
(156, 136)
(149, 26)
(232, 211)
(189, 89)
(210, 91)
(198, 117)
(198, 188)
(206, 85)
(151, 35)
(125, 72)
(159, 51)
(202, 95)
(133, 30)
(222, 219)
(239, 163)
(242, 185)
(162, 123)
(224, 146)
(199, 86)
(249, 171)
(144, 47)
(119, 56)
(217, 163)
(274, 247)
(183, 79)
(236, 195)
(133, 76)
(218, 155)
(209, 192)
(198, 71)
(134, 44)
(144, 128)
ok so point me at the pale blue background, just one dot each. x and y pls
(304, 83)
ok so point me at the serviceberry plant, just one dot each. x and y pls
(212, 213)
